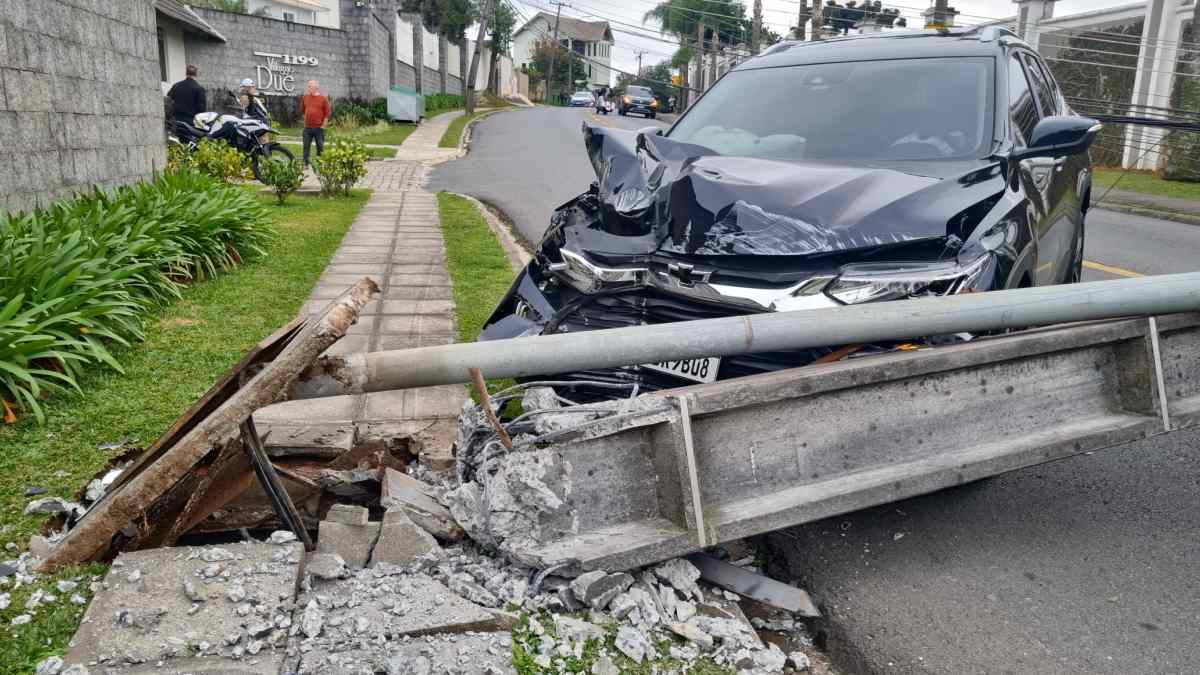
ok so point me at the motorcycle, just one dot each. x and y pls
(603, 107)
(249, 135)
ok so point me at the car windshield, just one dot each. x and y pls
(905, 109)
(639, 91)
(582, 94)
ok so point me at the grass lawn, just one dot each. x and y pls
(188, 345)
(454, 132)
(479, 270)
(372, 153)
(393, 135)
(1144, 182)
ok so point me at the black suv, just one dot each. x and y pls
(818, 174)
(639, 100)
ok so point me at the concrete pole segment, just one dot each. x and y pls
(855, 324)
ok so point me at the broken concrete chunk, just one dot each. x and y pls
(326, 566)
(799, 661)
(681, 575)
(771, 659)
(347, 514)
(576, 630)
(634, 644)
(281, 537)
(158, 618)
(52, 665)
(313, 619)
(605, 666)
(692, 633)
(402, 491)
(353, 543)
(473, 591)
(402, 543)
(598, 588)
(51, 505)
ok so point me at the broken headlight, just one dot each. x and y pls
(589, 278)
(872, 282)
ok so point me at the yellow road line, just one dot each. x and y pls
(1109, 269)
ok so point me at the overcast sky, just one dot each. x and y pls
(625, 17)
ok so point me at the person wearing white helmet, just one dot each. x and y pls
(252, 104)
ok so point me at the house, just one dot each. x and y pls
(591, 40)
(313, 12)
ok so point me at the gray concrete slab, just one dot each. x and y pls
(233, 616)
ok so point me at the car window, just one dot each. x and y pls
(1047, 102)
(900, 109)
(638, 91)
(1022, 109)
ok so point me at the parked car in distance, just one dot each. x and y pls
(639, 100)
(818, 174)
(582, 99)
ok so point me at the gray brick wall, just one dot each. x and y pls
(406, 75)
(382, 53)
(432, 82)
(80, 103)
(223, 65)
(454, 85)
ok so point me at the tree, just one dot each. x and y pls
(539, 65)
(717, 21)
(450, 18)
(500, 33)
(238, 6)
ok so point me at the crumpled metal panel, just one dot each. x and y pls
(682, 198)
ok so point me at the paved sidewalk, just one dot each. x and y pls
(422, 144)
(397, 241)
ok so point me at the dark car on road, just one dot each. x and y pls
(639, 100)
(818, 174)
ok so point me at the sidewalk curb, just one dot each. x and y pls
(1141, 210)
(518, 256)
(464, 142)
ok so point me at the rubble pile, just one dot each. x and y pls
(414, 571)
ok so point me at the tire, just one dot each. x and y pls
(273, 152)
(652, 115)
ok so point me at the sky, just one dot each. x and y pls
(632, 35)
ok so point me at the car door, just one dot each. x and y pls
(1033, 175)
(1056, 238)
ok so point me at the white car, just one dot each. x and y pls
(582, 99)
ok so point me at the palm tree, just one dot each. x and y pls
(711, 21)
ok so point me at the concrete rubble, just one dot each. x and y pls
(415, 571)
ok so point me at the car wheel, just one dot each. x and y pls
(652, 115)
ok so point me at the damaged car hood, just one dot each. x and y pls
(656, 194)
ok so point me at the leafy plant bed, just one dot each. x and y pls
(79, 277)
(372, 153)
(188, 344)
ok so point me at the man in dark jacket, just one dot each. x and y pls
(187, 96)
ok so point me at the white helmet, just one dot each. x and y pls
(247, 82)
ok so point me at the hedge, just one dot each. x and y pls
(80, 276)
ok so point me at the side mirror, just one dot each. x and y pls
(1060, 135)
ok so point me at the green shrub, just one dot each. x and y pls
(379, 108)
(220, 160)
(340, 167)
(283, 177)
(435, 103)
(79, 276)
(179, 158)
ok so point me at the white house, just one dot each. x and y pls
(324, 13)
(591, 40)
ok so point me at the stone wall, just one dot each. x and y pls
(80, 101)
(223, 65)
(454, 85)
(382, 52)
(406, 75)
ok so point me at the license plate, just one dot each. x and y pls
(697, 370)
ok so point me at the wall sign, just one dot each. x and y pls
(278, 73)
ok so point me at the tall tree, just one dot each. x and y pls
(500, 34)
(450, 18)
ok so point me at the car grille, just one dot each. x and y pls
(646, 307)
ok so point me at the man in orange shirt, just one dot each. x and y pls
(315, 108)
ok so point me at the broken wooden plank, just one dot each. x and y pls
(127, 503)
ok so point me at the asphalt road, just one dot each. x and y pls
(1087, 565)
(528, 162)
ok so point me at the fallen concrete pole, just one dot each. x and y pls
(678, 470)
(132, 500)
(857, 324)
